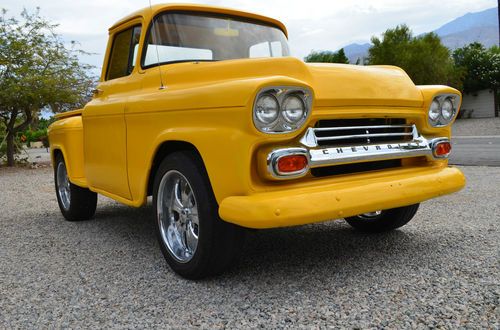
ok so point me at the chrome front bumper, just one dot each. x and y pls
(336, 155)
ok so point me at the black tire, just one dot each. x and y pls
(81, 202)
(388, 220)
(218, 242)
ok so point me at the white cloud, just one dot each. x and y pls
(313, 24)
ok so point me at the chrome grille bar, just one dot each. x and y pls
(332, 145)
(324, 129)
(331, 156)
(348, 135)
(360, 136)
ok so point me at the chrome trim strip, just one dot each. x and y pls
(328, 156)
(311, 140)
(319, 156)
(360, 136)
(322, 129)
(369, 152)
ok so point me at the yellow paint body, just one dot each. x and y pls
(110, 145)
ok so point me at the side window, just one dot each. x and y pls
(123, 53)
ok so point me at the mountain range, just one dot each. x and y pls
(480, 26)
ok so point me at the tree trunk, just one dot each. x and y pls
(12, 130)
(10, 149)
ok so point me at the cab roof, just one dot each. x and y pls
(148, 12)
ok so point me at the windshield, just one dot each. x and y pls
(177, 36)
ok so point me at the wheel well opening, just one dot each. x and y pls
(55, 154)
(165, 149)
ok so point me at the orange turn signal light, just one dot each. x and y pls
(292, 163)
(442, 149)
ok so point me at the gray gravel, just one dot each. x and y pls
(441, 270)
(37, 155)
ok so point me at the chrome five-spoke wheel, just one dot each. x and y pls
(193, 239)
(177, 214)
(63, 185)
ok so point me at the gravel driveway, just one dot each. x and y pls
(441, 270)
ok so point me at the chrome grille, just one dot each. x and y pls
(346, 132)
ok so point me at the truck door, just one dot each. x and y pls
(105, 132)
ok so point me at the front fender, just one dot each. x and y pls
(226, 151)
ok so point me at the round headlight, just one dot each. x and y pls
(293, 109)
(434, 111)
(447, 109)
(281, 109)
(267, 109)
(443, 109)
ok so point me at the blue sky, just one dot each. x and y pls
(312, 24)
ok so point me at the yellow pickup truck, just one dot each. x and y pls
(204, 109)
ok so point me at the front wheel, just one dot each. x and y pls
(380, 221)
(76, 203)
(193, 239)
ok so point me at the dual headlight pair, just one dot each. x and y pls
(443, 109)
(281, 109)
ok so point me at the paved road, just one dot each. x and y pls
(476, 150)
(441, 270)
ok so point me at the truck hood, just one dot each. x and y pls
(332, 84)
(344, 85)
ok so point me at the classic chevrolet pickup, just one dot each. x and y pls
(204, 109)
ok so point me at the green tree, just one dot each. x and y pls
(37, 71)
(327, 57)
(424, 58)
(481, 67)
(44, 123)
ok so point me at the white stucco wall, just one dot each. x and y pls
(482, 102)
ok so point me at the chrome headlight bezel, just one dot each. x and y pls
(282, 124)
(276, 109)
(441, 121)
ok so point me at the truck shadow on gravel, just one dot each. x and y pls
(323, 249)
(327, 249)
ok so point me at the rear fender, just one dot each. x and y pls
(66, 136)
